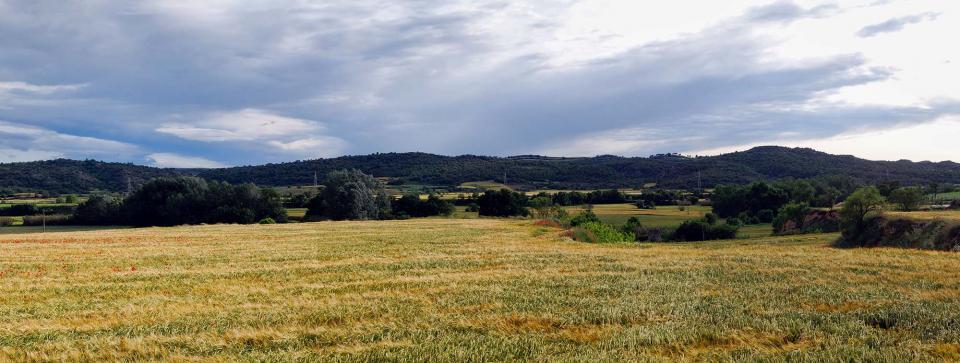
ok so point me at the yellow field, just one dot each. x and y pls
(465, 290)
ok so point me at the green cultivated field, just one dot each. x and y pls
(481, 186)
(296, 212)
(52, 229)
(664, 216)
(929, 215)
(943, 196)
(465, 290)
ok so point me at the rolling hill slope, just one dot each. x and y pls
(761, 163)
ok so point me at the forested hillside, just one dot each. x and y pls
(761, 163)
(72, 176)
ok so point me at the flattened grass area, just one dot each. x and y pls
(465, 290)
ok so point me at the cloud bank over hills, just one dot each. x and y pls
(214, 83)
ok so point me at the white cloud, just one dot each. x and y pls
(37, 89)
(288, 135)
(14, 94)
(171, 160)
(319, 146)
(243, 125)
(19, 142)
(16, 155)
(615, 142)
(936, 141)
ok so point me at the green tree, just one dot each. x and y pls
(795, 212)
(171, 201)
(503, 203)
(887, 187)
(907, 199)
(799, 191)
(856, 208)
(544, 207)
(350, 194)
(98, 210)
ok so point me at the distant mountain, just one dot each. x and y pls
(531, 171)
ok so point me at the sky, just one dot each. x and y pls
(223, 83)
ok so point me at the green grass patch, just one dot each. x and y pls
(480, 186)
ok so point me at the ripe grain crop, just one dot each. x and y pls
(465, 290)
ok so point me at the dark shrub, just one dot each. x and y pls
(17, 210)
(297, 201)
(56, 209)
(98, 211)
(765, 216)
(655, 234)
(168, 202)
(700, 230)
(51, 220)
(634, 228)
(748, 219)
(734, 221)
(412, 206)
(502, 203)
(711, 218)
(6, 221)
(584, 217)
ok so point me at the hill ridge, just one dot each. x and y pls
(532, 171)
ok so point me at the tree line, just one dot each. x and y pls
(170, 201)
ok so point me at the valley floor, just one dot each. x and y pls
(465, 290)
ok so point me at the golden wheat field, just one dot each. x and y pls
(465, 290)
